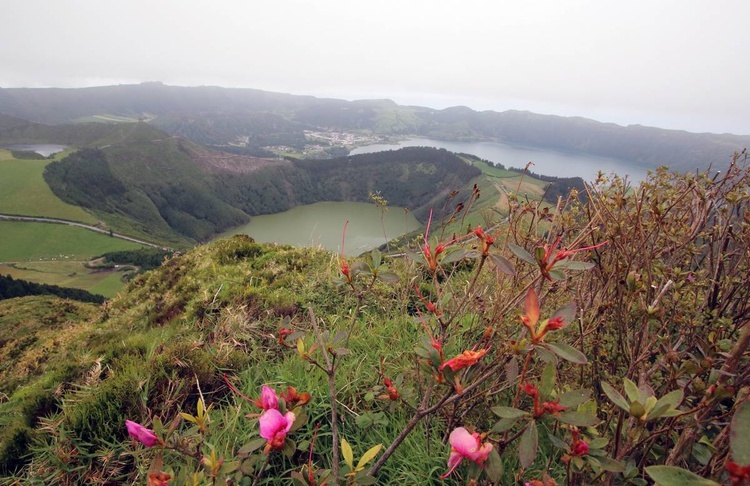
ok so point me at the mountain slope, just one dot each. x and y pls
(223, 117)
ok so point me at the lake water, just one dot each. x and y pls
(44, 149)
(321, 224)
(546, 162)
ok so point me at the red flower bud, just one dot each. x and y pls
(580, 449)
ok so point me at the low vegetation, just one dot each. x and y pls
(582, 343)
(10, 288)
(24, 192)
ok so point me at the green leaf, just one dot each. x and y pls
(511, 370)
(388, 277)
(455, 255)
(567, 312)
(615, 396)
(637, 410)
(377, 258)
(298, 478)
(503, 264)
(415, 256)
(494, 466)
(504, 424)
(611, 465)
(289, 447)
(557, 274)
(251, 447)
(346, 451)
(739, 434)
(676, 476)
(528, 445)
(509, 412)
(573, 265)
(340, 336)
(579, 419)
(573, 398)
(521, 253)
(557, 442)
(632, 391)
(369, 456)
(567, 352)
(366, 480)
(547, 381)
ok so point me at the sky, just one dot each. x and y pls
(680, 64)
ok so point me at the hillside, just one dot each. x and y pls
(567, 341)
(249, 121)
(147, 183)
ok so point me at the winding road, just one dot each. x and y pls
(11, 217)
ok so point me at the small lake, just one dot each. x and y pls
(546, 162)
(321, 224)
(43, 149)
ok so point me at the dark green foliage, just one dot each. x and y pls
(84, 178)
(144, 258)
(27, 155)
(409, 177)
(10, 288)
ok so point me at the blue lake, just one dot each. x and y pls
(546, 162)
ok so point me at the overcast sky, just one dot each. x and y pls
(670, 63)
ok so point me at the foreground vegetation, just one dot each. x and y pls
(603, 343)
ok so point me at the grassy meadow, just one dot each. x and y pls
(23, 191)
(23, 241)
(55, 254)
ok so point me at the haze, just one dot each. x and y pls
(671, 64)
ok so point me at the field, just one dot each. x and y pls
(66, 274)
(23, 191)
(45, 241)
(55, 253)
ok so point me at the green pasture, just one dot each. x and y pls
(66, 273)
(493, 171)
(23, 191)
(23, 241)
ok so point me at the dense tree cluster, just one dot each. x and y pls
(409, 177)
(144, 258)
(27, 155)
(10, 288)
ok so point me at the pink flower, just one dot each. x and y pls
(465, 445)
(268, 399)
(142, 434)
(274, 427)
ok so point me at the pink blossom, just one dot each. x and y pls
(268, 399)
(465, 445)
(274, 427)
(140, 433)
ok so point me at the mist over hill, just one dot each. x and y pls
(220, 117)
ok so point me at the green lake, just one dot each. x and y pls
(321, 224)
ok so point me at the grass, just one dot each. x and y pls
(67, 274)
(23, 190)
(23, 241)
